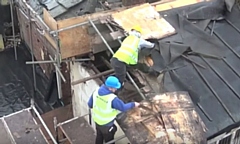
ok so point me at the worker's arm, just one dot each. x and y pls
(121, 106)
(90, 102)
(145, 44)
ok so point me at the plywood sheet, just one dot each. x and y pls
(74, 41)
(148, 18)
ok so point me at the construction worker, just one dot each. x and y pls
(105, 107)
(127, 54)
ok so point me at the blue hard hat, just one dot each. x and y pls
(113, 82)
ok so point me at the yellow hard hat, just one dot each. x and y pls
(137, 28)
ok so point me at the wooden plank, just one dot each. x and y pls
(79, 131)
(24, 129)
(154, 26)
(52, 24)
(75, 41)
(49, 20)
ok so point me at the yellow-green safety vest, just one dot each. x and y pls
(128, 52)
(103, 112)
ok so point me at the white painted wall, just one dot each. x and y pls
(81, 94)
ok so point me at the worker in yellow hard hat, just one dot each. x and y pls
(127, 54)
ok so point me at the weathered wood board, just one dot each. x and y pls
(173, 120)
(154, 26)
(74, 41)
(52, 24)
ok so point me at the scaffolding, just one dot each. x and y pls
(32, 16)
(14, 125)
(57, 59)
(91, 22)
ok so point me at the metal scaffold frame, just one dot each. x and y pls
(110, 49)
(56, 61)
(57, 126)
(107, 45)
(13, 29)
(32, 109)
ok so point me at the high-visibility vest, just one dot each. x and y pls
(128, 52)
(103, 112)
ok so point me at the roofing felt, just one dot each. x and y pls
(205, 52)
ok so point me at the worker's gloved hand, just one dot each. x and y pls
(137, 104)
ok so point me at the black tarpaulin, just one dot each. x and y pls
(16, 82)
(213, 86)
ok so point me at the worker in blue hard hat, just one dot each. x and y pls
(105, 107)
(127, 54)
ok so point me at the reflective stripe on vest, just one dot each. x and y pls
(103, 112)
(128, 52)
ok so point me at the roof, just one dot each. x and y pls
(166, 118)
(205, 65)
(62, 9)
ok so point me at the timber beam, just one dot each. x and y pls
(92, 77)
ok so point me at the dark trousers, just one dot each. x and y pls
(105, 133)
(120, 69)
